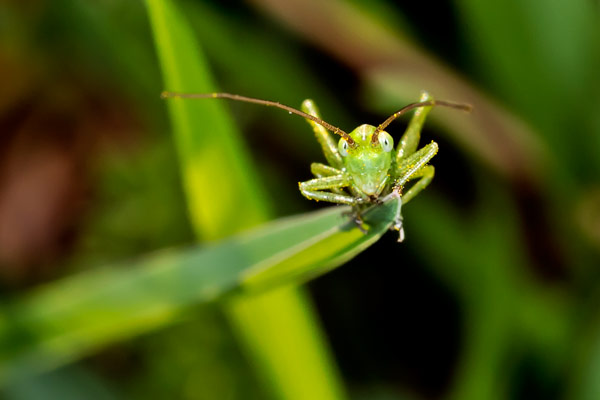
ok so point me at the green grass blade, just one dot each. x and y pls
(307, 257)
(215, 167)
(220, 182)
(69, 318)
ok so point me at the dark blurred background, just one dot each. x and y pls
(495, 289)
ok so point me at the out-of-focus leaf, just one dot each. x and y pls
(64, 320)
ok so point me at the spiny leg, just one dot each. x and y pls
(398, 225)
(321, 170)
(327, 142)
(410, 139)
(396, 194)
(412, 167)
(314, 189)
(426, 174)
(413, 163)
(358, 221)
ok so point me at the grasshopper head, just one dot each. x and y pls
(368, 163)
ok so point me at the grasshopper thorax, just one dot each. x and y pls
(367, 163)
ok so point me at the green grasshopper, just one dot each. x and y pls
(364, 168)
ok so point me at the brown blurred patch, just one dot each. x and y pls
(53, 129)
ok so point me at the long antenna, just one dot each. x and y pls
(237, 97)
(403, 110)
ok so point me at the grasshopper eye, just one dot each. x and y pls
(343, 147)
(386, 141)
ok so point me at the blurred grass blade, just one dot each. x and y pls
(216, 169)
(65, 320)
(224, 197)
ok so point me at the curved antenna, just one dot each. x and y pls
(403, 110)
(267, 103)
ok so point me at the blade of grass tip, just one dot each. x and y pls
(263, 322)
(321, 252)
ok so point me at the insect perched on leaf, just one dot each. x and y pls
(364, 167)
